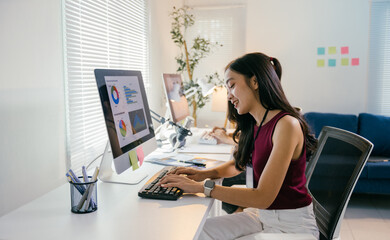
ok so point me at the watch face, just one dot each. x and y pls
(209, 184)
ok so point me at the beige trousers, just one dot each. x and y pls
(300, 220)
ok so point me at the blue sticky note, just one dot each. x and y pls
(332, 62)
(321, 51)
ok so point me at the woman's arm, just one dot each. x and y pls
(225, 170)
(287, 145)
(286, 139)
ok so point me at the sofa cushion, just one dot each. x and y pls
(317, 121)
(378, 170)
(376, 129)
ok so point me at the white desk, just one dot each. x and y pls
(121, 214)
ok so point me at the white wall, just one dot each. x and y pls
(292, 30)
(162, 51)
(32, 122)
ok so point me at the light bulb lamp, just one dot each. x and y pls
(219, 102)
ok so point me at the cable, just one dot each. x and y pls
(93, 161)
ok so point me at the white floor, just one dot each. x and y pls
(367, 217)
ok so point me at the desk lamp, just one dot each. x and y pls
(219, 102)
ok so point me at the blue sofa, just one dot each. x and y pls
(375, 178)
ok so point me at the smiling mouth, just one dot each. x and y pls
(235, 103)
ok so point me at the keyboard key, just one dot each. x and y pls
(152, 190)
(206, 138)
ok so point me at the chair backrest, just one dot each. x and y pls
(332, 175)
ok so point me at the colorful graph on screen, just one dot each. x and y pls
(137, 119)
(130, 95)
(122, 128)
(115, 94)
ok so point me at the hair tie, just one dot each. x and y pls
(271, 59)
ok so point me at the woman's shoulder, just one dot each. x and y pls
(288, 122)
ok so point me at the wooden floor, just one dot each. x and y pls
(367, 217)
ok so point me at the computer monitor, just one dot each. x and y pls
(177, 101)
(128, 121)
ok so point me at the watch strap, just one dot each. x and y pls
(207, 190)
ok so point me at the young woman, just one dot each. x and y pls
(273, 141)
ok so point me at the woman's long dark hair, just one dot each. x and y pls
(268, 73)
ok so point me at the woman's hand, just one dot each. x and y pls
(182, 182)
(221, 136)
(192, 173)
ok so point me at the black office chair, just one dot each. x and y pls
(332, 175)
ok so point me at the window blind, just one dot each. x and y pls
(379, 59)
(222, 24)
(98, 34)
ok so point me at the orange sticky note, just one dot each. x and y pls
(140, 155)
(133, 159)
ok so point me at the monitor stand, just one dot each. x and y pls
(106, 174)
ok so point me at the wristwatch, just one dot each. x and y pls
(208, 187)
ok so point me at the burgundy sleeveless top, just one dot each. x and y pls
(293, 193)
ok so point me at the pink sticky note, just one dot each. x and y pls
(344, 50)
(140, 154)
(354, 61)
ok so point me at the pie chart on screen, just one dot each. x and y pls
(115, 94)
(122, 128)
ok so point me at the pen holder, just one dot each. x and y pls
(83, 196)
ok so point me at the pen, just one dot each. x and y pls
(79, 188)
(73, 176)
(194, 163)
(85, 175)
(91, 187)
(88, 192)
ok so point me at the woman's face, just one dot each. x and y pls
(242, 96)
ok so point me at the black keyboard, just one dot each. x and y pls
(152, 190)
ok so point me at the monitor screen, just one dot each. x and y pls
(177, 101)
(126, 113)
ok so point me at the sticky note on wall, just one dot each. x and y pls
(321, 51)
(354, 61)
(320, 63)
(344, 50)
(344, 61)
(133, 159)
(332, 62)
(332, 50)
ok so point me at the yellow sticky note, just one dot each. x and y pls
(133, 159)
(344, 61)
(321, 63)
(332, 50)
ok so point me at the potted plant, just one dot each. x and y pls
(190, 56)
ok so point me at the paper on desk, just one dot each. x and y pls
(203, 148)
(168, 162)
(182, 157)
(160, 155)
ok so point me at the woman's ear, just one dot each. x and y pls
(254, 84)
